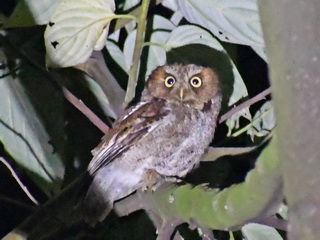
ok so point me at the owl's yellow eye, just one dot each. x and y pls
(169, 81)
(196, 82)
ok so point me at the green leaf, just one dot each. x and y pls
(129, 4)
(117, 55)
(101, 97)
(31, 12)
(157, 53)
(230, 21)
(189, 34)
(261, 51)
(161, 23)
(128, 48)
(76, 28)
(263, 121)
(25, 137)
(254, 231)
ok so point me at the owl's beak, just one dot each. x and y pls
(181, 94)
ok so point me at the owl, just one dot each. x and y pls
(162, 136)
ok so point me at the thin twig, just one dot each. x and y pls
(245, 104)
(16, 203)
(85, 110)
(132, 83)
(28, 145)
(15, 176)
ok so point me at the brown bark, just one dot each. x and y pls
(292, 35)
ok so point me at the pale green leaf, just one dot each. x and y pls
(254, 231)
(123, 58)
(117, 55)
(128, 4)
(263, 121)
(239, 91)
(261, 51)
(101, 96)
(31, 12)
(161, 23)
(128, 48)
(189, 34)
(230, 21)
(157, 53)
(25, 137)
(76, 28)
(171, 4)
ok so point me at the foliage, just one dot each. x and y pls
(49, 141)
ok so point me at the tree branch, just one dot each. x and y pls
(245, 104)
(85, 110)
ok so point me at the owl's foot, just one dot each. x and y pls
(153, 180)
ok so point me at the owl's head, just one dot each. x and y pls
(189, 84)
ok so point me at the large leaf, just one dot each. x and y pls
(101, 97)
(157, 53)
(229, 20)
(156, 56)
(25, 137)
(76, 28)
(117, 55)
(264, 121)
(128, 4)
(31, 12)
(255, 231)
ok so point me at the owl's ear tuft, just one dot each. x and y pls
(158, 73)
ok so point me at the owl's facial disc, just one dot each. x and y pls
(188, 84)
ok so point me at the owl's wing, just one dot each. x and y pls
(137, 122)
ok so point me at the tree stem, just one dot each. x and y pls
(132, 83)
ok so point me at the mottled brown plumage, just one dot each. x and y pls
(164, 135)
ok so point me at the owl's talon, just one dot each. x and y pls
(153, 180)
(144, 188)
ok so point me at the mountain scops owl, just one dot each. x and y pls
(163, 135)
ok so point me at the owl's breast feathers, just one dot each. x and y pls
(140, 120)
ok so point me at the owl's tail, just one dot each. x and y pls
(109, 184)
(96, 205)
